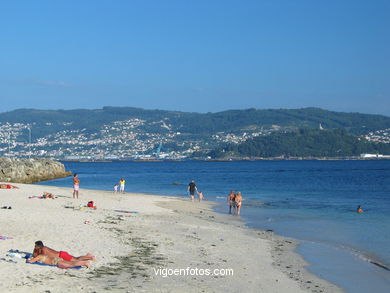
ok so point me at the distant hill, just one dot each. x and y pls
(303, 143)
(126, 132)
(197, 123)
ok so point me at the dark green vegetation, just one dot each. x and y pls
(49, 121)
(303, 143)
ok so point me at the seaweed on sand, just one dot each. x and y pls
(138, 264)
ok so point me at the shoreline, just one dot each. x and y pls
(283, 253)
(360, 253)
(353, 256)
(239, 159)
(362, 258)
(168, 232)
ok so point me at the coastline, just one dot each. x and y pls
(349, 268)
(233, 159)
(166, 233)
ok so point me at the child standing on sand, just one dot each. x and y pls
(76, 186)
(116, 188)
(200, 194)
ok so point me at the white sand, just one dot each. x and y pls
(167, 233)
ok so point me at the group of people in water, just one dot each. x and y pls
(62, 259)
(235, 202)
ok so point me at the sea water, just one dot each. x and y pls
(312, 201)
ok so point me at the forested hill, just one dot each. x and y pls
(303, 143)
(197, 123)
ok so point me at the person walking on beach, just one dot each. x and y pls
(238, 201)
(76, 186)
(122, 183)
(191, 189)
(231, 202)
(200, 194)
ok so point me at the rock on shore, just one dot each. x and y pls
(30, 170)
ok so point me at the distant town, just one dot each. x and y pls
(127, 133)
(126, 140)
(120, 140)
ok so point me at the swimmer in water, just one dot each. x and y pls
(359, 209)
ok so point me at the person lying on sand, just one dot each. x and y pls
(8, 186)
(40, 249)
(48, 195)
(57, 261)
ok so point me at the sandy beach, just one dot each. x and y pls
(165, 244)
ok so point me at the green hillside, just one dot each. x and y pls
(303, 143)
(49, 121)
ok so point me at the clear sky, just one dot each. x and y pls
(201, 56)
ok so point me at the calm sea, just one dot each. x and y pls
(313, 201)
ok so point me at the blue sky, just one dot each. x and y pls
(201, 56)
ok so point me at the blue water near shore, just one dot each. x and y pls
(313, 201)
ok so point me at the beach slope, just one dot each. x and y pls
(142, 243)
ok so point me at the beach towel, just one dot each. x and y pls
(17, 252)
(35, 196)
(127, 212)
(5, 237)
(17, 255)
(29, 255)
(14, 254)
(43, 264)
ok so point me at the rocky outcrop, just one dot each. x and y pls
(30, 170)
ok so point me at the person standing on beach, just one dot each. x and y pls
(238, 201)
(76, 186)
(231, 201)
(191, 189)
(122, 183)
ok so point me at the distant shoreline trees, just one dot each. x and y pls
(303, 143)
